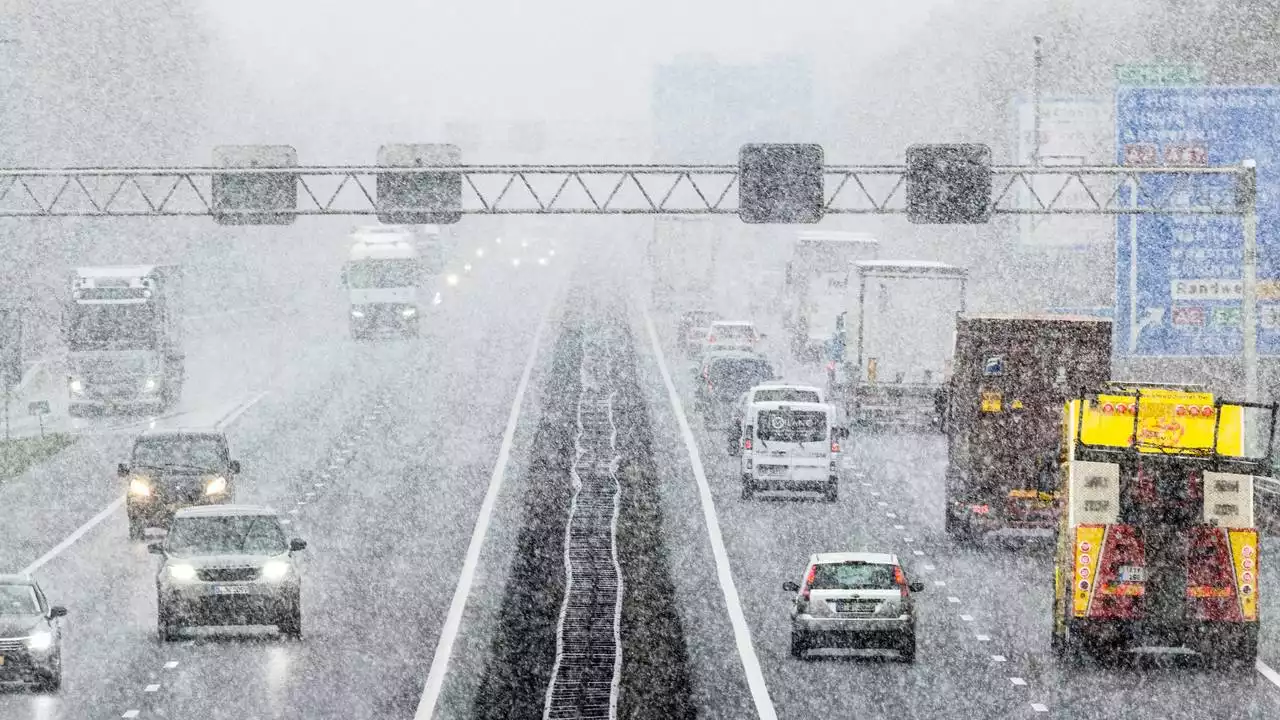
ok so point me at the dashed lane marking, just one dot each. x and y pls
(239, 410)
(898, 527)
(1017, 681)
(737, 619)
(130, 714)
(953, 599)
(1039, 707)
(967, 618)
(453, 620)
(982, 638)
(999, 658)
(918, 552)
(171, 665)
(151, 688)
(940, 583)
(929, 567)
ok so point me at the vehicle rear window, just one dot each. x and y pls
(853, 576)
(732, 332)
(786, 395)
(740, 373)
(791, 426)
(229, 535)
(202, 452)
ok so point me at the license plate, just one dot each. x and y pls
(230, 590)
(1131, 573)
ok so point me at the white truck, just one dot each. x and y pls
(383, 276)
(682, 260)
(898, 341)
(816, 281)
(123, 332)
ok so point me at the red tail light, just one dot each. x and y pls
(746, 443)
(835, 446)
(900, 578)
(711, 339)
(808, 581)
(981, 509)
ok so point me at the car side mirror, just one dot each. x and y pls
(234, 466)
(296, 545)
(916, 587)
(155, 549)
(122, 470)
(790, 587)
(57, 611)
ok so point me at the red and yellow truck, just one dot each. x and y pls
(1157, 545)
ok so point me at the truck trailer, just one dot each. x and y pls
(123, 332)
(1157, 544)
(894, 346)
(1002, 417)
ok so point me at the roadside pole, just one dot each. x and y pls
(1247, 202)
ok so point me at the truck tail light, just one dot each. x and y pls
(835, 446)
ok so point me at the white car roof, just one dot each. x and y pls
(872, 558)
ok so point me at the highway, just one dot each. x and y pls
(380, 453)
(983, 633)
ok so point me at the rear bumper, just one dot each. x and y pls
(859, 632)
(809, 482)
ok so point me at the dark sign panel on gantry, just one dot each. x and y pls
(266, 197)
(419, 198)
(780, 183)
(949, 184)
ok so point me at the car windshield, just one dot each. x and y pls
(201, 452)
(792, 426)
(786, 395)
(397, 273)
(230, 535)
(853, 576)
(18, 600)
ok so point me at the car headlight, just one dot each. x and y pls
(217, 485)
(466, 267)
(150, 384)
(409, 311)
(275, 570)
(451, 279)
(542, 261)
(140, 486)
(357, 313)
(182, 573)
(436, 300)
(40, 640)
(515, 261)
(76, 386)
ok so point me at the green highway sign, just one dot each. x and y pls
(1160, 74)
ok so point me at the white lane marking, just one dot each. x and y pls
(982, 638)
(1267, 672)
(130, 714)
(741, 633)
(1017, 681)
(918, 552)
(151, 688)
(940, 583)
(1039, 707)
(891, 516)
(967, 618)
(907, 539)
(171, 665)
(239, 410)
(294, 511)
(333, 466)
(898, 527)
(286, 521)
(319, 485)
(73, 537)
(999, 658)
(882, 504)
(930, 567)
(453, 621)
(875, 493)
(953, 599)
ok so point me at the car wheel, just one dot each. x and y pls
(748, 489)
(290, 624)
(907, 648)
(165, 629)
(832, 493)
(799, 644)
(52, 682)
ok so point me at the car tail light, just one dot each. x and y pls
(900, 578)
(981, 509)
(711, 339)
(835, 446)
(746, 443)
(808, 581)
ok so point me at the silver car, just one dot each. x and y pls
(854, 599)
(228, 565)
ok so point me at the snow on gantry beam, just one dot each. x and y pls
(609, 190)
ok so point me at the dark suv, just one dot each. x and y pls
(30, 635)
(173, 469)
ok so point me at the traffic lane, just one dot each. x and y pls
(387, 540)
(112, 654)
(719, 683)
(769, 541)
(1007, 588)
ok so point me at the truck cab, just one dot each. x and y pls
(383, 276)
(790, 447)
(123, 332)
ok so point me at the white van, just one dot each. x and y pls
(772, 390)
(791, 447)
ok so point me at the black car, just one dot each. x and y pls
(722, 379)
(30, 635)
(173, 469)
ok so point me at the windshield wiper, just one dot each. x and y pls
(174, 466)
